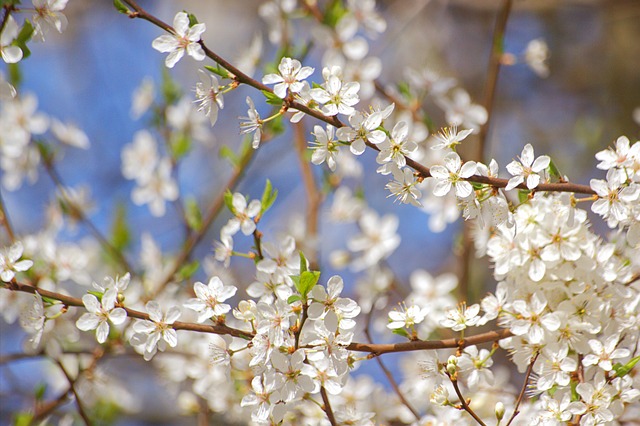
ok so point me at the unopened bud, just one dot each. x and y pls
(499, 410)
(452, 366)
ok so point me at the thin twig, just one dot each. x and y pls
(422, 170)
(81, 411)
(4, 220)
(524, 388)
(464, 404)
(314, 199)
(492, 74)
(43, 410)
(327, 407)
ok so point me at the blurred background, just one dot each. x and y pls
(87, 76)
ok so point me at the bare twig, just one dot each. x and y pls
(464, 403)
(327, 407)
(72, 387)
(492, 74)
(524, 388)
(4, 220)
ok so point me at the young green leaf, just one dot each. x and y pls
(120, 7)
(269, 196)
(193, 214)
(120, 232)
(228, 201)
(218, 71)
(303, 262)
(308, 279)
(623, 370)
(187, 270)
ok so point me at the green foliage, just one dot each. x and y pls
(187, 270)
(401, 332)
(15, 76)
(306, 280)
(120, 7)
(120, 232)
(25, 34)
(104, 413)
(335, 11)
(275, 126)
(180, 145)
(170, 89)
(193, 214)
(272, 99)
(228, 201)
(192, 19)
(22, 419)
(553, 170)
(218, 70)
(269, 196)
(523, 195)
(226, 152)
(623, 370)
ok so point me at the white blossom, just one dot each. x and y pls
(184, 39)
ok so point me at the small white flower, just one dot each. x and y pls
(364, 128)
(69, 134)
(209, 299)
(156, 331)
(244, 214)
(48, 15)
(252, 124)
(452, 174)
(183, 39)
(396, 149)
(337, 97)
(407, 317)
(527, 169)
(9, 263)
(33, 320)
(290, 77)
(325, 146)
(460, 317)
(536, 56)
(208, 96)
(449, 138)
(404, 187)
(100, 313)
(603, 354)
(10, 54)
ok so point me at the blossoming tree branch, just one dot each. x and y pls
(285, 348)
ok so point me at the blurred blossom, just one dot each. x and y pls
(536, 56)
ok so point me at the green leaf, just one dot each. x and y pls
(96, 294)
(293, 298)
(25, 34)
(228, 201)
(334, 11)
(315, 85)
(308, 280)
(15, 76)
(192, 19)
(120, 232)
(170, 90)
(553, 170)
(39, 391)
(272, 99)
(404, 89)
(120, 7)
(401, 332)
(523, 195)
(22, 419)
(226, 152)
(303, 263)
(180, 145)
(187, 270)
(623, 370)
(269, 196)
(193, 214)
(218, 71)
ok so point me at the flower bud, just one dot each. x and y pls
(499, 410)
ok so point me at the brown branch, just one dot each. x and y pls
(72, 387)
(327, 407)
(178, 325)
(492, 73)
(334, 121)
(464, 403)
(45, 409)
(420, 345)
(314, 199)
(4, 220)
(524, 388)
(214, 209)
(377, 349)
